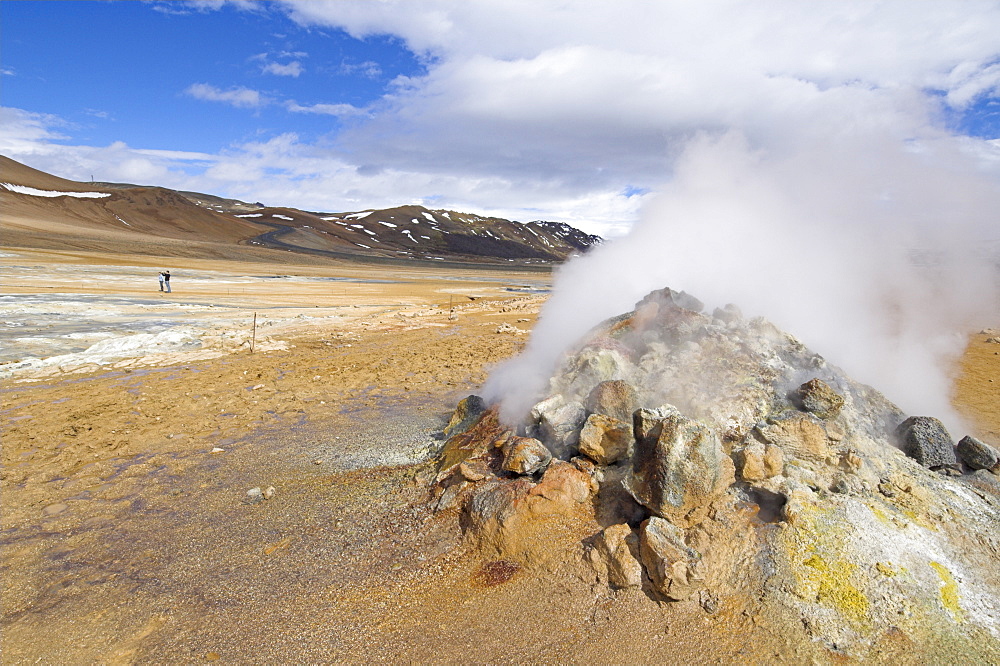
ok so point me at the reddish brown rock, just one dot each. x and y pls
(475, 441)
(527, 522)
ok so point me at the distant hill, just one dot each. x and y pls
(44, 211)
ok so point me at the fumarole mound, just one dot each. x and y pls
(713, 459)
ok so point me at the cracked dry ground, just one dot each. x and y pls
(126, 541)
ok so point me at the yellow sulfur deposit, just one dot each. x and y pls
(949, 592)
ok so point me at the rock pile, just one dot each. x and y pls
(700, 456)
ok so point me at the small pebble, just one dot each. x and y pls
(317, 462)
(254, 495)
(217, 450)
(269, 493)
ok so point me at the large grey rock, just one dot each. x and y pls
(559, 423)
(615, 398)
(678, 469)
(604, 439)
(977, 454)
(926, 440)
(672, 566)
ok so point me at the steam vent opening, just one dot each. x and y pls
(715, 458)
(769, 504)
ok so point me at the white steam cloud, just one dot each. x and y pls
(878, 253)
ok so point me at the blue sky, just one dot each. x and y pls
(117, 70)
(574, 112)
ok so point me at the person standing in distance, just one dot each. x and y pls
(160, 276)
(166, 281)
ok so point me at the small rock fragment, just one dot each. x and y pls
(507, 328)
(474, 470)
(615, 551)
(526, 455)
(269, 492)
(758, 461)
(217, 450)
(254, 495)
(54, 509)
(817, 397)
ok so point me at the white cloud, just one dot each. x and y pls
(548, 109)
(583, 99)
(293, 69)
(26, 133)
(237, 96)
(339, 110)
(185, 7)
(369, 69)
(285, 171)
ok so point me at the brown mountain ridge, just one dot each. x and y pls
(40, 210)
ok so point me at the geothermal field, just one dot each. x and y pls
(605, 332)
(304, 452)
(170, 495)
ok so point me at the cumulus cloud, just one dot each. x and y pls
(25, 133)
(185, 7)
(284, 170)
(339, 110)
(293, 68)
(557, 110)
(237, 96)
(594, 97)
(369, 69)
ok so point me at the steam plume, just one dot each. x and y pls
(875, 252)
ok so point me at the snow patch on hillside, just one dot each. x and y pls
(22, 189)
